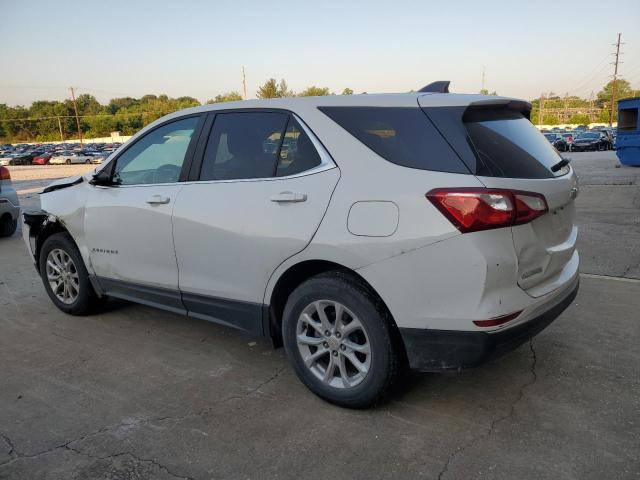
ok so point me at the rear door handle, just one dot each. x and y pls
(289, 197)
(158, 200)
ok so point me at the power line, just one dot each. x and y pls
(35, 119)
(597, 69)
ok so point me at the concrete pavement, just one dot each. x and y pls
(136, 393)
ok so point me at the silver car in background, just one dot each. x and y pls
(9, 205)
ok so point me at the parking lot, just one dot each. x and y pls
(141, 393)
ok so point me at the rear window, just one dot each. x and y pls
(508, 145)
(404, 136)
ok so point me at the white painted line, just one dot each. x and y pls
(609, 277)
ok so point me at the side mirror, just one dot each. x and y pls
(101, 178)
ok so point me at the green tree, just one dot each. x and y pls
(283, 89)
(623, 90)
(314, 91)
(347, 91)
(272, 89)
(268, 90)
(226, 97)
(580, 119)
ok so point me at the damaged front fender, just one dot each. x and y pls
(37, 226)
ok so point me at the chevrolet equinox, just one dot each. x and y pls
(364, 233)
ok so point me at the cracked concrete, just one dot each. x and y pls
(490, 430)
(135, 393)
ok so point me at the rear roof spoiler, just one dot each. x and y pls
(441, 86)
(500, 104)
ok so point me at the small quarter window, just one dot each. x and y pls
(297, 153)
(404, 136)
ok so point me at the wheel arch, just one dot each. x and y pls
(295, 275)
(41, 226)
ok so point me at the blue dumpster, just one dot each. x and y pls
(628, 139)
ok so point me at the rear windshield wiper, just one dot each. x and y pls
(562, 163)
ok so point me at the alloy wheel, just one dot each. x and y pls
(62, 276)
(333, 344)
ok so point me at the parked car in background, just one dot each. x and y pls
(557, 140)
(23, 158)
(590, 141)
(61, 158)
(568, 138)
(42, 159)
(9, 205)
(6, 159)
(608, 137)
(458, 245)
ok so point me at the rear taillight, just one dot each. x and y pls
(475, 209)
(4, 173)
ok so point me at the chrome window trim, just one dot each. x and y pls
(326, 161)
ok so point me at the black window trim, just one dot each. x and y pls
(188, 158)
(326, 160)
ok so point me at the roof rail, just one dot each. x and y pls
(441, 86)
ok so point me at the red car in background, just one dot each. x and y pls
(41, 159)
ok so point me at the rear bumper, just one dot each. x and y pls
(441, 350)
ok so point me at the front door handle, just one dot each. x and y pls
(158, 200)
(289, 197)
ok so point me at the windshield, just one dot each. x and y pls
(588, 136)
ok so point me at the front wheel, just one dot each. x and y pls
(65, 276)
(68, 162)
(338, 338)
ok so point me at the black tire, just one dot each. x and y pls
(68, 162)
(358, 298)
(87, 300)
(8, 226)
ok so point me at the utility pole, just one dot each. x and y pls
(60, 128)
(615, 78)
(591, 108)
(566, 111)
(484, 68)
(540, 110)
(244, 83)
(75, 107)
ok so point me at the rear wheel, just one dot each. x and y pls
(68, 162)
(338, 338)
(65, 276)
(8, 225)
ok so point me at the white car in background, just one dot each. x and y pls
(70, 158)
(363, 232)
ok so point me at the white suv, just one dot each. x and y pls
(363, 232)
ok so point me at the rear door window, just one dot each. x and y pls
(404, 136)
(243, 145)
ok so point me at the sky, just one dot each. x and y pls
(117, 48)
